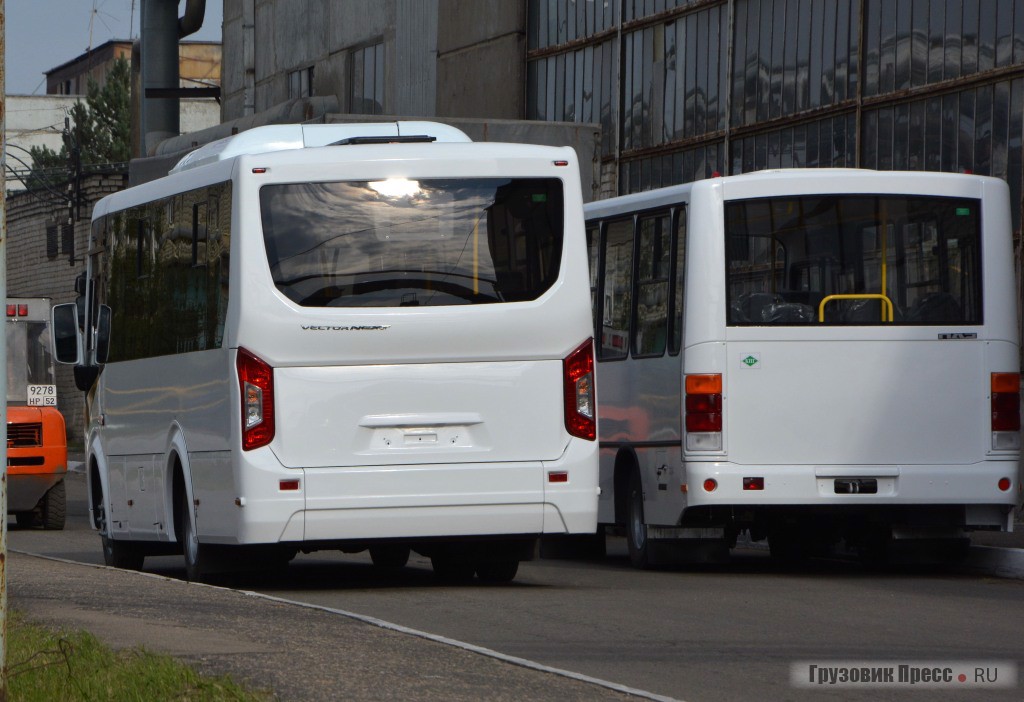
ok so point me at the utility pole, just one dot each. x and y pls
(3, 355)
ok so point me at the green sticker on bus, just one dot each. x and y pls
(963, 211)
(540, 197)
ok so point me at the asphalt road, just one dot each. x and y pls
(730, 632)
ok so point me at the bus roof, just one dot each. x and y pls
(281, 137)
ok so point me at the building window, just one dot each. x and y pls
(51, 241)
(300, 83)
(366, 80)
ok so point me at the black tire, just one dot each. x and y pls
(452, 571)
(636, 529)
(497, 572)
(389, 556)
(116, 554)
(120, 554)
(197, 568)
(54, 507)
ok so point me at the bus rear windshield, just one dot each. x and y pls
(407, 243)
(853, 260)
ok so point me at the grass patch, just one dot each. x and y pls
(45, 665)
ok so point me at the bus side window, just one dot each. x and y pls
(593, 253)
(617, 291)
(654, 253)
(678, 279)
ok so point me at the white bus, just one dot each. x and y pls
(371, 336)
(807, 356)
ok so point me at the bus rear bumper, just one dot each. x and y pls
(978, 484)
(362, 503)
(912, 502)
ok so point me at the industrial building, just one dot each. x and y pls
(668, 90)
(682, 89)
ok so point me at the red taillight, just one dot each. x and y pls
(256, 383)
(710, 485)
(704, 403)
(1006, 402)
(23, 310)
(1005, 484)
(578, 389)
(11, 310)
(753, 483)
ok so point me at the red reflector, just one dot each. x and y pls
(11, 310)
(753, 483)
(1004, 484)
(558, 477)
(704, 422)
(23, 310)
(561, 163)
(259, 171)
(710, 485)
(289, 484)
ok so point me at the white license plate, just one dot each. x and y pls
(42, 395)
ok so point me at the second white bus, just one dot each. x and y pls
(371, 336)
(807, 356)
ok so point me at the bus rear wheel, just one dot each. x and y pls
(118, 554)
(636, 528)
(196, 565)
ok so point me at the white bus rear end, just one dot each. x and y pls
(399, 357)
(849, 365)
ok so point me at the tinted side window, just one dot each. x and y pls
(617, 291)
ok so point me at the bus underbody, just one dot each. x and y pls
(873, 532)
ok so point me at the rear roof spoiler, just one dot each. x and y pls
(282, 137)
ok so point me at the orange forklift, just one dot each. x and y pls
(37, 452)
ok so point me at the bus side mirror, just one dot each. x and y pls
(103, 334)
(67, 341)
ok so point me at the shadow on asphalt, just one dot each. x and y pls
(311, 573)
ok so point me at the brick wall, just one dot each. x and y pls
(32, 272)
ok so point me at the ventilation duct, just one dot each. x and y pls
(159, 83)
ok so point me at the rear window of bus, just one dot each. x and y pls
(853, 260)
(409, 243)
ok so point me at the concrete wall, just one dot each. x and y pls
(481, 59)
(31, 273)
(290, 35)
(33, 120)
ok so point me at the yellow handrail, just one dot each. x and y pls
(866, 296)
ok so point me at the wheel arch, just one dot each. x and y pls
(97, 481)
(177, 480)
